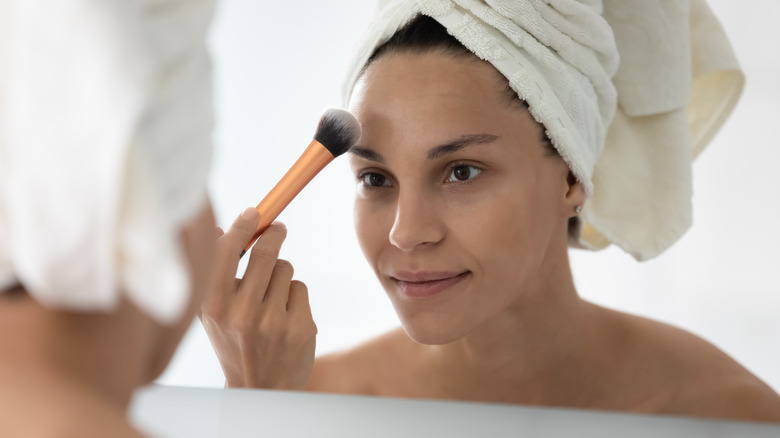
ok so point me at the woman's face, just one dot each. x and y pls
(459, 208)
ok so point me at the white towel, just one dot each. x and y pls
(629, 91)
(105, 146)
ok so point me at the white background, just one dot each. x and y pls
(279, 64)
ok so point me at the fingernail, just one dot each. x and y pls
(250, 214)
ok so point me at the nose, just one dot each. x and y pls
(417, 223)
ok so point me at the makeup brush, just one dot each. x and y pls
(337, 131)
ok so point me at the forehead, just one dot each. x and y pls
(424, 98)
(427, 83)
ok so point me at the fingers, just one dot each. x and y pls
(298, 300)
(278, 291)
(241, 231)
(262, 262)
(228, 250)
(261, 326)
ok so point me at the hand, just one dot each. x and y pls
(261, 326)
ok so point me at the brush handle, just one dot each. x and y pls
(308, 165)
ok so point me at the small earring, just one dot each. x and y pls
(578, 209)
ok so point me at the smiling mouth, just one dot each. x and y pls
(421, 285)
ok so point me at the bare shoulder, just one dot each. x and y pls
(35, 404)
(738, 397)
(697, 378)
(359, 370)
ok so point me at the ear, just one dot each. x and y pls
(575, 195)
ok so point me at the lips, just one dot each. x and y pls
(427, 284)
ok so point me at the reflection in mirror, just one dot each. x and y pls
(462, 211)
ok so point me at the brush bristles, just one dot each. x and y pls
(338, 131)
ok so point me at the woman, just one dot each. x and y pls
(484, 155)
(106, 239)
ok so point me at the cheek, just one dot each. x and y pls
(199, 244)
(370, 232)
(198, 241)
(507, 235)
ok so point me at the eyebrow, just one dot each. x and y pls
(460, 143)
(449, 147)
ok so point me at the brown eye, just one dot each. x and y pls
(463, 173)
(374, 180)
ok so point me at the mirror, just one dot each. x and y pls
(278, 65)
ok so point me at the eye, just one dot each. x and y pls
(372, 179)
(463, 172)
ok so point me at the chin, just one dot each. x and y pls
(432, 331)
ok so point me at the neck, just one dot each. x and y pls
(99, 354)
(535, 352)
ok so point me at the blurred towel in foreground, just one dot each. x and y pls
(105, 145)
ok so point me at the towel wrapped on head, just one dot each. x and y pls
(105, 147)
(629, 92)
